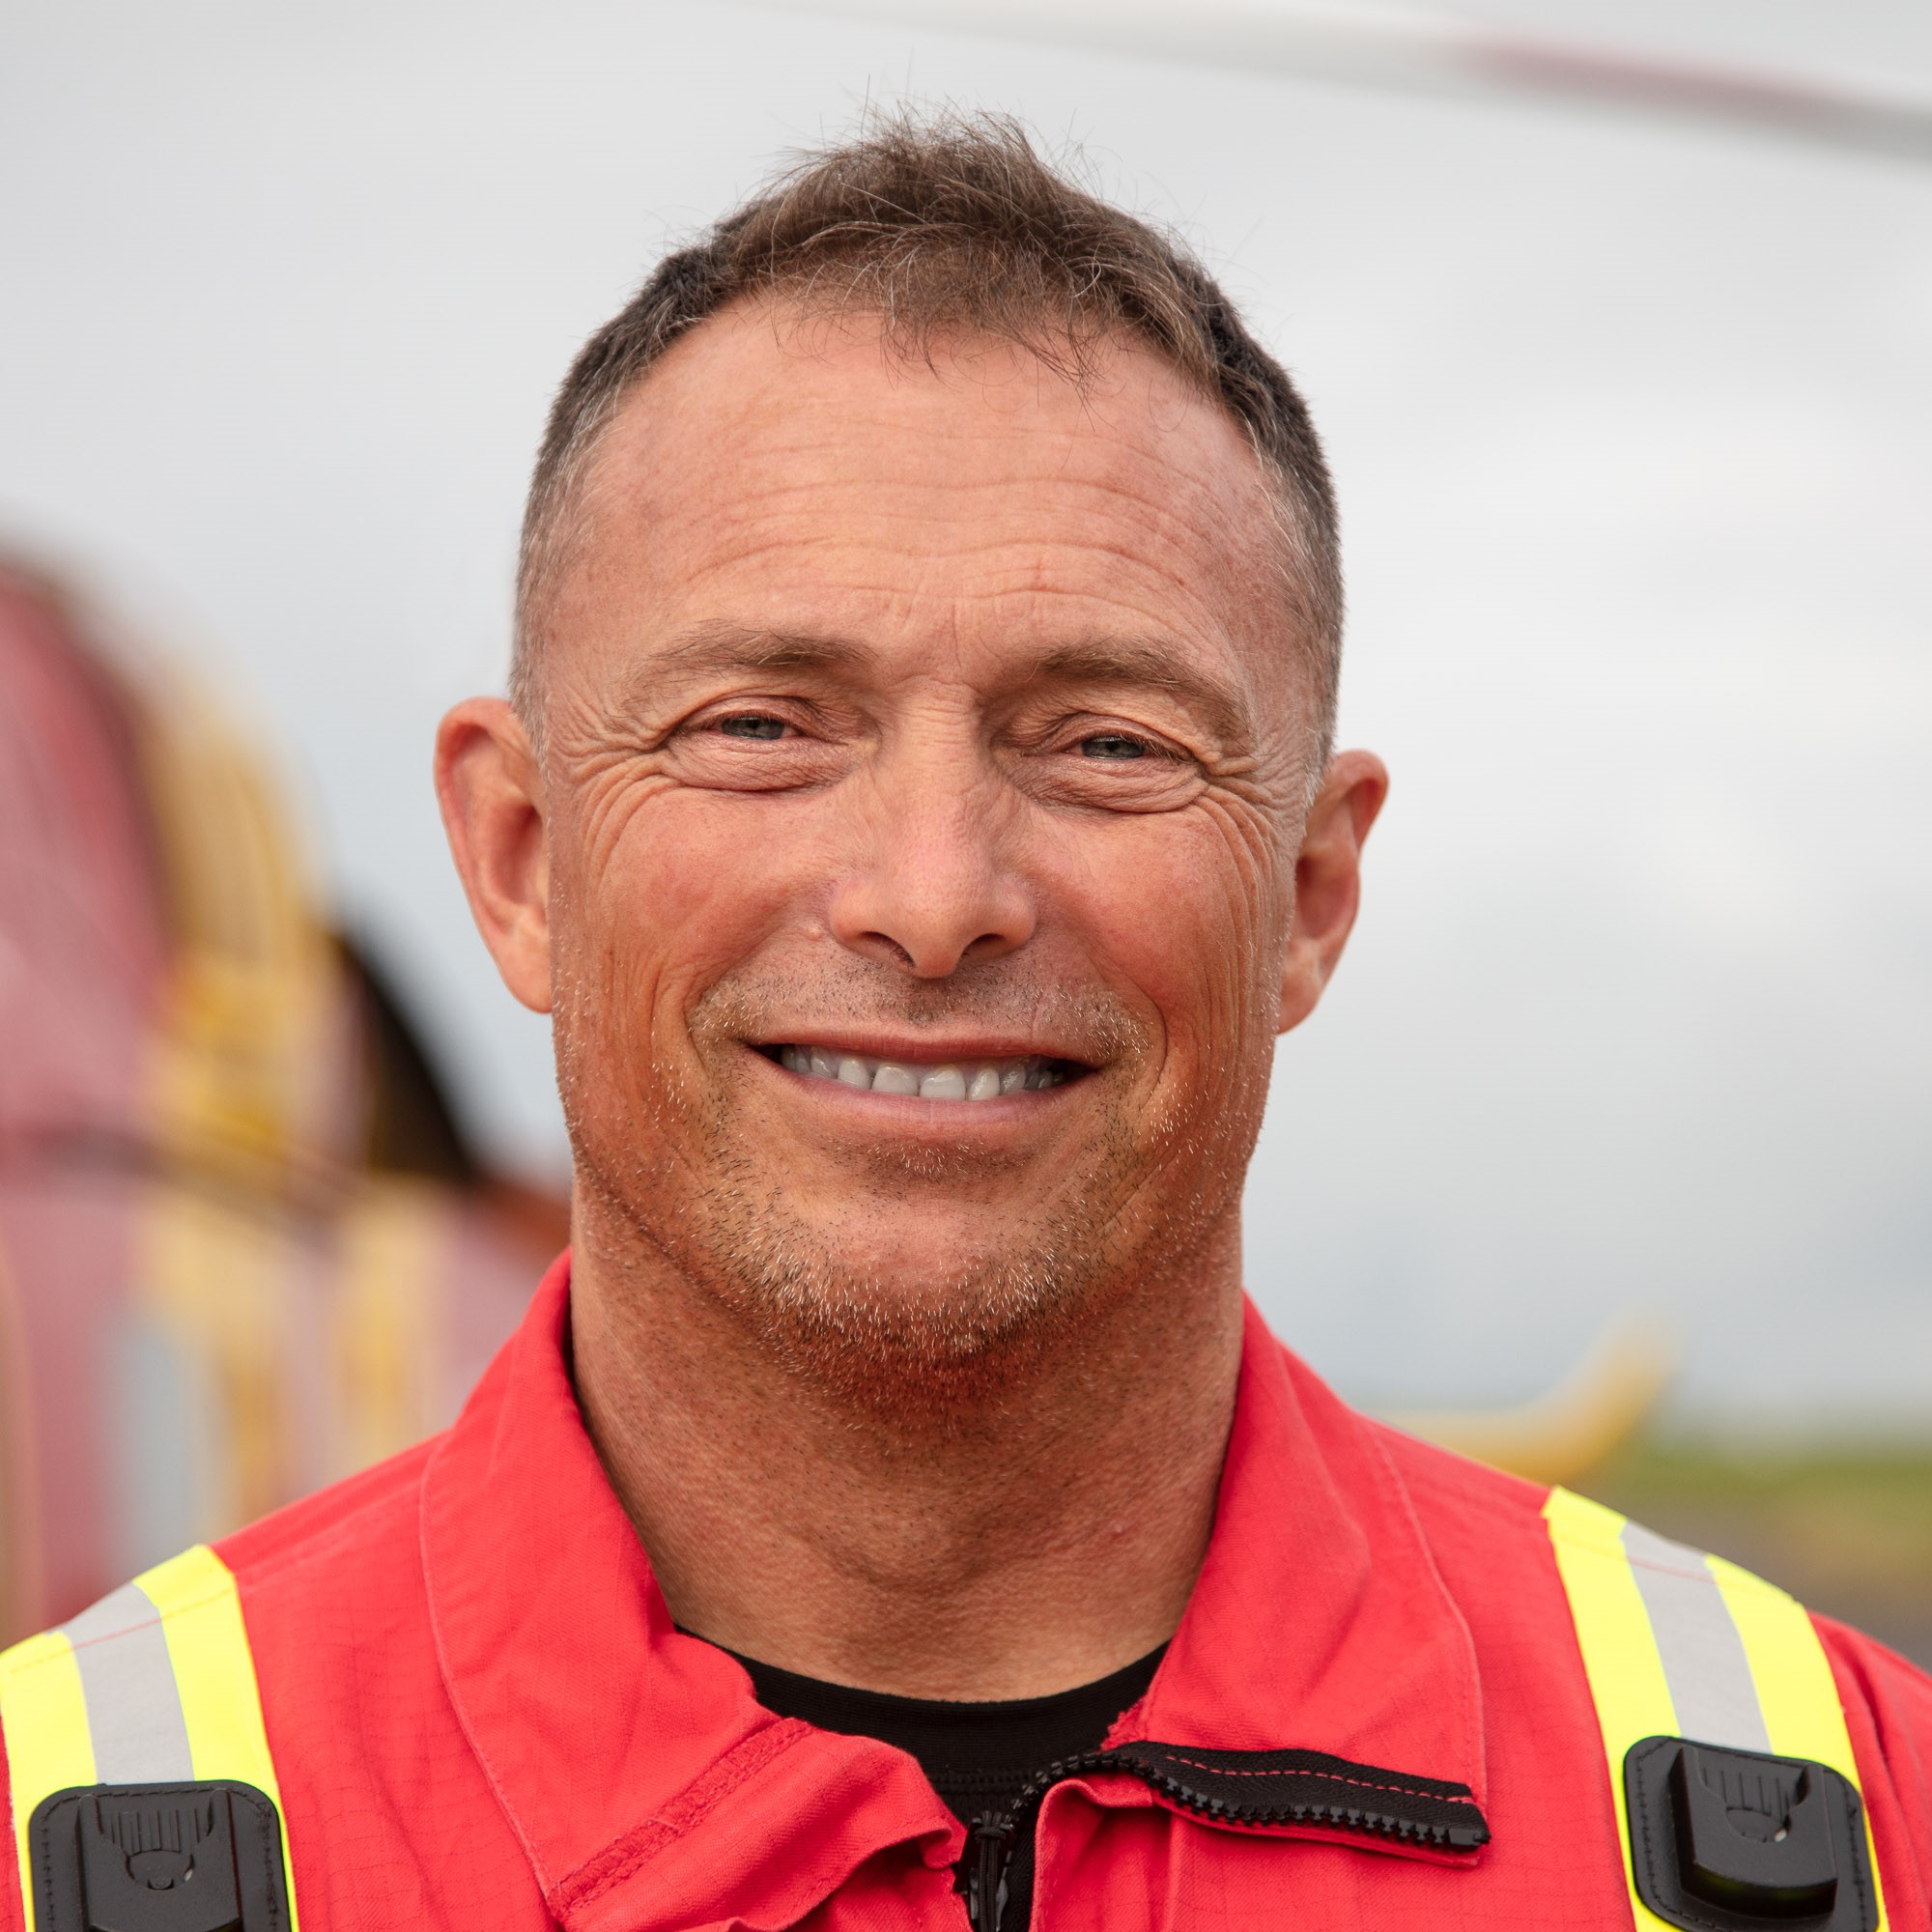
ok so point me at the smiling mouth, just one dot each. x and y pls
(966, 1080)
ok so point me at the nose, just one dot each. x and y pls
(933, 889)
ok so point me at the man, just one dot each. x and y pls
(917, 812)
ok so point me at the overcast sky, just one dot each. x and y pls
(1632, 427)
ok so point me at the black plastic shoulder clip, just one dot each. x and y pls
(158, 1858)
(1737, 1841)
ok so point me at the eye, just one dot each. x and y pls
(1112, 745)
(752, 724)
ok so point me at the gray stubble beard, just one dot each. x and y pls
(945, 1355)
(943, 1358)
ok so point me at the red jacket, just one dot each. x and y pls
(482, 1717)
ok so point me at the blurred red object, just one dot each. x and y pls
(244, 1245)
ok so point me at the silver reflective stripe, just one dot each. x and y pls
(1704, 1661)
(133, 1709)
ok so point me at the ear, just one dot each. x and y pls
(1328, 878)
(491, 790)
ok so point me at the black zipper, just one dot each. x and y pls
(1228, 1788)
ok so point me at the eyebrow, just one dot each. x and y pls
(732, 647)
(1152, 664)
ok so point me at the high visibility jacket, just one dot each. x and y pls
(1403, 1694)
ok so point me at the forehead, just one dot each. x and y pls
(801, 474)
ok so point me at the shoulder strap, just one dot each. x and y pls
(153, 1685)
(1677, 1643)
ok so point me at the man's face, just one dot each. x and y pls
(926, 762)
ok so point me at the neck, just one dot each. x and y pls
(1021, 1545)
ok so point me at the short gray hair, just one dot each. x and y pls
(945, 222)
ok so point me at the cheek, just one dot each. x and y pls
(1186, 909)
(682, 888)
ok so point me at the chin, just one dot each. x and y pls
(908, 1327)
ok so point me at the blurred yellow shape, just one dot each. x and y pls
(1562, 1434)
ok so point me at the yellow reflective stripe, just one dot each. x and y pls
(214, 1675)
(1791, 1676)
(1795, 1687)
(1789, 1667)
(44, 1710)
(1620, 1655)
(44, 1718)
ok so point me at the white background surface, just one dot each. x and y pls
(1633, 432)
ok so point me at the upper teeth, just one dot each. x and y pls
(952, 1080)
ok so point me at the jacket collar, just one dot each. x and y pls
(1320, 1620)
(623, 1751)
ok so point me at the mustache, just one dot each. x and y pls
(1091, 1024)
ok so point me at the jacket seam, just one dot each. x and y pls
(443, 1668)
(591, 1880)
(1698, 1576)
(1390, 1479)
(319, 1544)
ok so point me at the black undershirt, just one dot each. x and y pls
(979, 1757)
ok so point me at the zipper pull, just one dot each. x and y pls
(992, 1836)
